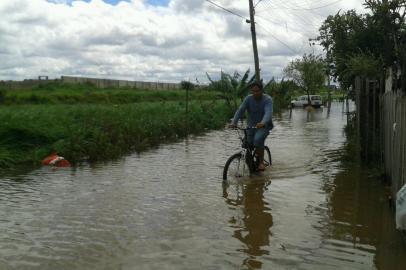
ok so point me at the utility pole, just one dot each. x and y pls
(328, 89)
(254, 41)
(328, 58)
(328, 71)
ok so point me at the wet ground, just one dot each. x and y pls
(167, 208)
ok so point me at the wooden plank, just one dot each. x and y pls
(374, 130)
(396, 147)
(403, 145)
(366, 128)
(357, 86)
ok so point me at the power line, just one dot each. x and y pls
(227, 10)
(284, 25)
(272, 35)
(308, 9)
(276, 6)
(319, 7)
(257, 3)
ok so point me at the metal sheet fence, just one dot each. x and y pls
(26, 84)
(100, 83)
(107, 83)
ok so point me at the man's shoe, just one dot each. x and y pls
(261, 167)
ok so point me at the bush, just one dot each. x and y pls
(3, 94)
(99, 131)
(185, 85)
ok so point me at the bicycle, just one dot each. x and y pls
(246, 161)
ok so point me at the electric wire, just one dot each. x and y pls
(285, 25)
(301, 8)
(257, 3)
(272, 35)
(227, 10)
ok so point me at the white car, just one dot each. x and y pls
(303, 101)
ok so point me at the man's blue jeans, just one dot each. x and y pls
(257, 136)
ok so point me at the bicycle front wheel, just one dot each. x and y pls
(235, 167)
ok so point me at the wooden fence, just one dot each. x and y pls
(368, 94)
(381, 125)
(394, 138)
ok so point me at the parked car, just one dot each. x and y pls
(302, 101)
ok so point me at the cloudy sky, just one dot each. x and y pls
(155, 40)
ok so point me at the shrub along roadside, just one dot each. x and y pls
(98, 132)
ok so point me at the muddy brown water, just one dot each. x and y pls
(167, 208)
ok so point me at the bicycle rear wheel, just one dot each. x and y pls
(267, 157)
(235, 167)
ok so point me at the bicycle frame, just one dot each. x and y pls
(248, 151)
(246, 158)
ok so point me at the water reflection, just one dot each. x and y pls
(360, 218)
(252, 220)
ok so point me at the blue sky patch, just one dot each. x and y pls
(158, 2)
(115, 2)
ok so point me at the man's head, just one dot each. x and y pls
(256, 90)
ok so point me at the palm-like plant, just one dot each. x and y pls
(281, 92)
(232, 88)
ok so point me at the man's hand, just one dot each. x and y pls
(232, 126)
(260, 125)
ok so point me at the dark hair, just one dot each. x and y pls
(258, 84)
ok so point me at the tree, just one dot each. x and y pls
(390, 18)
(364, 44)
(344, 36)
(186, 85)
(308, 73)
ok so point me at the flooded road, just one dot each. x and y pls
(167, 208)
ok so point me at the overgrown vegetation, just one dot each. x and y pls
(59, 93)
(234, 88)
(231, 88)
(98, 132)
(186, 85)
(82, 122)
(282, 93)
(3, 93)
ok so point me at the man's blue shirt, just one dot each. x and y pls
(259, 111)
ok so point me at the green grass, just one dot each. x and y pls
(59, 93)
(98, 131)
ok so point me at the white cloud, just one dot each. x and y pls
(133, 40)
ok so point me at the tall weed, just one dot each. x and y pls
(99, 132)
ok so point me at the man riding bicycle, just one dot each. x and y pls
(259, 107)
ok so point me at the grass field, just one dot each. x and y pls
(59, 93)
(82, 122)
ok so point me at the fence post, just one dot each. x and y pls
(357, 88)
(366, 129)
(373, 124)
(187, 108)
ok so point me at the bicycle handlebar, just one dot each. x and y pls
(246, 128)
